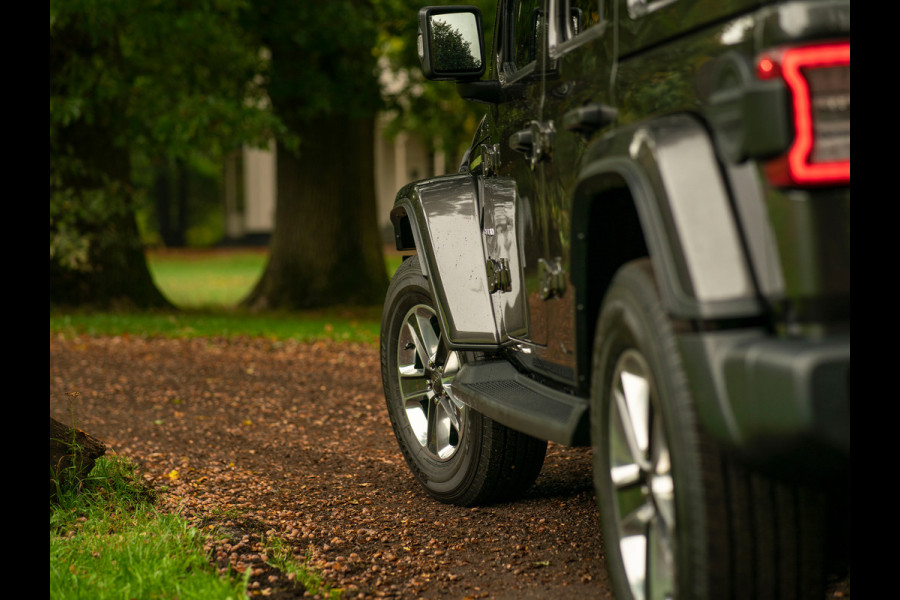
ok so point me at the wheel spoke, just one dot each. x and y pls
(641, 474)
(662, 486)
(661, 560)
(418, 419)
(425, 371)
(632, 401)
(633, 546)
(413, 385)
(448, 408)
(424, 336)
(451, 368)
(624, 470)
(433, 429)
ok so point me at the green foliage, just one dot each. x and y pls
(451, 51)
(281, 557)
(108, 541)
(431, 109)
(321, 59)
(184, 73)
(136, 86)
(140, 81)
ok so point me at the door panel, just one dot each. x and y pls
(576, 80)
(517, 70)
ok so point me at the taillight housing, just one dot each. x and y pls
(818, 79)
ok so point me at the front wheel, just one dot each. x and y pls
(680, 519)
(456, 453)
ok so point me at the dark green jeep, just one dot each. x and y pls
(646, 249)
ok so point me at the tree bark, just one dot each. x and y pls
(72, 453)
(325, 248)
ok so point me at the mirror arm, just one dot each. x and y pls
(489, 92)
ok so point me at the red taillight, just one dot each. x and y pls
(818, 78)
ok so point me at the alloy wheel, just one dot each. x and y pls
(641, 475)
(425, 370)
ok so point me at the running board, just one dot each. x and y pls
(497, 390)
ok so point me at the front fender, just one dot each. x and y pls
(442, 217)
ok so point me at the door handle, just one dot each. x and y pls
(522, 141)
(535, 142)
(589, 118)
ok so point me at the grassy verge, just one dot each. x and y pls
(360, 325)
(108, 541)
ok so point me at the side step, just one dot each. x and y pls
(497, 390)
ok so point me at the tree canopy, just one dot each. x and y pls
(149, 82)
(128, 79)
(451, 51)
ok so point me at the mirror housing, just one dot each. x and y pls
(450, 43)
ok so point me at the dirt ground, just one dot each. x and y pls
(260, 438)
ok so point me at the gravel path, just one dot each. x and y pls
(262, 438)
(254, 438)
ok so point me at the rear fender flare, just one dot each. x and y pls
(670, 169)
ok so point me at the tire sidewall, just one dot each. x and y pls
(632, 318)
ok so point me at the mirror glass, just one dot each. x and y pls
(455, 47)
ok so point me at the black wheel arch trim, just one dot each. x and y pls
(690, 230)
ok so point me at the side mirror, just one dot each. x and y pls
(450, 43)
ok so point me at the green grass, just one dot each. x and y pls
(107, 540)
(206, 287)
(203, 279)
(215, 278)
(281, 557)
(361, 325)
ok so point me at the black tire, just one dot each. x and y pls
(457, 454)
(680, 519)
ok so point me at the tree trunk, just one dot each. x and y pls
(118, 277)
(72, 453)
(162, 196)
(181, 197)
(325, 249)
(117, 272)
(91, 171)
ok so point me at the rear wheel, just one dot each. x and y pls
(456, 453)
(680, 519)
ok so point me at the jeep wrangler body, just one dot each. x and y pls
(646, 249)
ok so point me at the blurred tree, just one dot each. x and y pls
(165, 82)
(322, 82)
(432, 110)
(157, 79)
(451, 51)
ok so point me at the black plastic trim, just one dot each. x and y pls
(497, 390)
